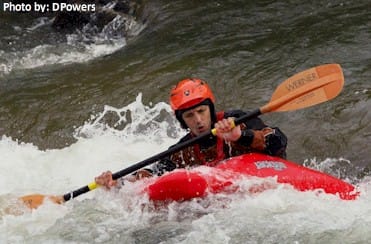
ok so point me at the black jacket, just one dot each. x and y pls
(275, 145)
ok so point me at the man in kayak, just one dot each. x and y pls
(193, 104)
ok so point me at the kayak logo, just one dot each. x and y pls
(276, 165)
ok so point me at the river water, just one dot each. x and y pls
(75, 104)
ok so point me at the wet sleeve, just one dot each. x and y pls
(160, 167)
(165, 165)
(246, 138)
(276, 143)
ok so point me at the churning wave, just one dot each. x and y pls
(81, 46)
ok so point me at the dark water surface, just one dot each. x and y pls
(244, 49)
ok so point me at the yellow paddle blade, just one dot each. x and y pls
(34, 201)
(307, 88)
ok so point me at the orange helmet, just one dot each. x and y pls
(190, 92)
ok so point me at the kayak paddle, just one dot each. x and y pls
(307, 88)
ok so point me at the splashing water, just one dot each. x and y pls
(118, 137)
(79, 47)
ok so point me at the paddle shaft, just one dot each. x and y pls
(157, 157)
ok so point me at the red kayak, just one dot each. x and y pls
(184, 184)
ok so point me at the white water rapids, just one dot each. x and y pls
(282, 215)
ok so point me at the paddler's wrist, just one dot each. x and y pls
(246, 138)
(143, 173)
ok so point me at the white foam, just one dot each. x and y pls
(80, 47)
(277, 215)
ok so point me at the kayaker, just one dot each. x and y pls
(193, 104)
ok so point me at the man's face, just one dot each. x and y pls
(198, 119)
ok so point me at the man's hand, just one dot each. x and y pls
(226, 130)
(105, 179)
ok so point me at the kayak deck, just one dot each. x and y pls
(182, 184)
